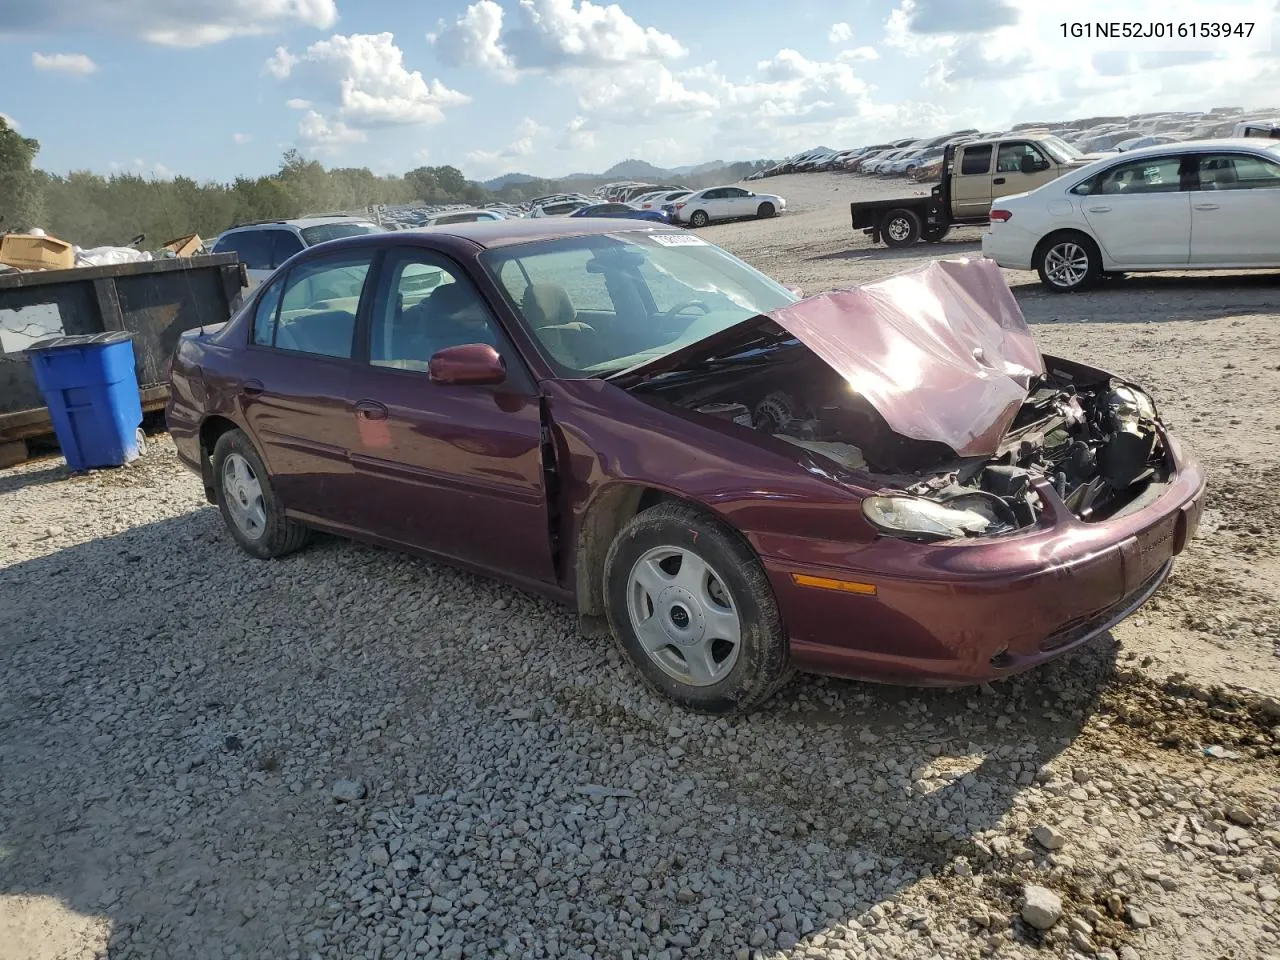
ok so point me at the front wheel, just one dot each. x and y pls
(765, 210)
(901, 228)
(699, 219)
(1069, 263)
(691, 607)
(249, 505)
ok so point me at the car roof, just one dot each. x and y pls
(1259, 144)
(300, 223)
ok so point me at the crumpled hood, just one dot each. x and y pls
(942, 352)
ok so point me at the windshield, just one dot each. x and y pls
(332, 231)
(600, 304)
(1060, 150)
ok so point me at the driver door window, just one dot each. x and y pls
(1009, 177)
(424, 306)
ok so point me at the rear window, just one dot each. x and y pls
(976, 160)
(334, 231)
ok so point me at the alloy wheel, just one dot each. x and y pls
(1066, 264)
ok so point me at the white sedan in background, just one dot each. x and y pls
(1197, 205)
(724, 203)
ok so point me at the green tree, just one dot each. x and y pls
(20, 194)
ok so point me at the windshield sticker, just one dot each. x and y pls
(678, 240)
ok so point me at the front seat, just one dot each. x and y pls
(548, 309)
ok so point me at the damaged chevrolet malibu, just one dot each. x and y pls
(888, 483)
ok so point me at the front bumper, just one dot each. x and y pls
(963, 613)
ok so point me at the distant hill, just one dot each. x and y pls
(523, 186)
(634, 170)
(507, 179)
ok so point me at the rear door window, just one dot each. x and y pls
(319, 305)
(252, 246)
(284, 244)
(1238, 171)
(976, 160)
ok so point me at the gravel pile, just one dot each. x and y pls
(353, 754)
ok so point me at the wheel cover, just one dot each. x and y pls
(700, 218)
(899, 228)
(242, 492)
(683, 616)
(1066, 264)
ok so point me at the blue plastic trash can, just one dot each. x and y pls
(91, 388)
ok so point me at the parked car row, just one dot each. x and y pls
(920, 158)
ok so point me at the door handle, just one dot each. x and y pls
(1206, 206)
(251, 388)
(998, 181)
(1099, 209)
(370, 410)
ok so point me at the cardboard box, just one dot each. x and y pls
(187, 246)
(26, 252)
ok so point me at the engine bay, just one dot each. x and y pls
(1095, 439)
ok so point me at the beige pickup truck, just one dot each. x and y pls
(974, 175)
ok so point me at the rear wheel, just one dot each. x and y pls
(699, 219)
(691, 607)
(901, 228)
(248, 503)
(1068, 262)
(765, 211)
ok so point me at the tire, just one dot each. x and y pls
(643, 588)
(900, 228)
(276, 535)
(699, 219)
(765, 211)
(933, 236)
(1068, 262)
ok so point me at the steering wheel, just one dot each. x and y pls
(680, 308)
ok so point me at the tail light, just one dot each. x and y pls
(679, 206)
(1000, 216)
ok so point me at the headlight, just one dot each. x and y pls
(926, 519)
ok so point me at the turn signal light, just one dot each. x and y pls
(1001, 215)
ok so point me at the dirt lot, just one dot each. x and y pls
(355, 754)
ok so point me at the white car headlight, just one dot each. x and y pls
(919, 517)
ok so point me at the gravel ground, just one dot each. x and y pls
(350, 753)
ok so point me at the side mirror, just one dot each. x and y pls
(1028, 164)
(467, 364)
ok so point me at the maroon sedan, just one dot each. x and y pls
(888, 483)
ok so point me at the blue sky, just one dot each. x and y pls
(218, 88)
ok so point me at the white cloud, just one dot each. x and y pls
(365, 78)
(422, 154)
(240, 139)
(474, 40)
(297, 103)
(840, 33)
(980, 60)
(858, 55)
(140, 168)
(72, 64)
(643, 93)
(528, 132)
(317, 132)
(550, 36)
(191, 23)
(576, 136)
